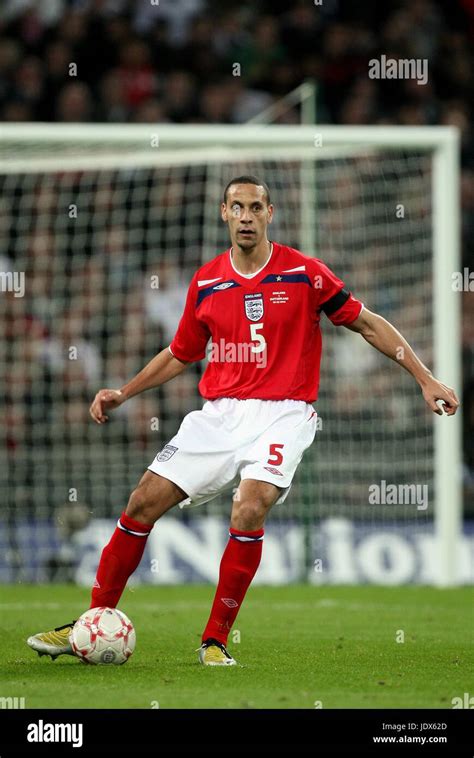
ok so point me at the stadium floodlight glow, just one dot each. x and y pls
(402, 265)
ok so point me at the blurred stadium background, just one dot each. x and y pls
(88, 276)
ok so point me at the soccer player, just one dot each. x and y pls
(260, 304)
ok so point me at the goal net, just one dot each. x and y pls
(101, 231)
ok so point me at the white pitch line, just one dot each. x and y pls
(183, 605)
(34, 605)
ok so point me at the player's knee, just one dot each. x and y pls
(141, 507)
(249, 515)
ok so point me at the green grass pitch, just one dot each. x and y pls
(300, 647)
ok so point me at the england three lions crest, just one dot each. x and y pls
(166, 453)
(254, 306)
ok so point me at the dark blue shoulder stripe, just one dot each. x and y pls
(269, 279)
(277, 278)
(215, 289)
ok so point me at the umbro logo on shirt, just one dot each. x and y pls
(223, 286)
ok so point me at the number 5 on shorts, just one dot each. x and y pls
(276, 458)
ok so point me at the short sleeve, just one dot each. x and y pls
(336, 301)
(192, 335)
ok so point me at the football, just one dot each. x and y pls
(103, 635)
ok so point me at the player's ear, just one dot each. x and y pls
(223, 211)
(270, 214)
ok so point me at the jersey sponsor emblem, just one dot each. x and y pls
(273, 470)
(166, 453)
(223, 286)
(229, 602)
(254, 306)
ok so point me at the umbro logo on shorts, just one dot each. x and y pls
(273, 470)
(166, 453)
(229, 602)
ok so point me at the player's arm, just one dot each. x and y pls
(380, 333)
(163, 367)
(188, 345)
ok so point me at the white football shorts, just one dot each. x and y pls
(230, 440)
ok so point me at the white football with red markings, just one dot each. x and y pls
(103, 635)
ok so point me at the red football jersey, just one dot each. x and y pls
(266, 338)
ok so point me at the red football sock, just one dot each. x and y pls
(119, 560)
(238, 567)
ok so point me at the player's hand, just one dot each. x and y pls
(105, 400)
(434, 391)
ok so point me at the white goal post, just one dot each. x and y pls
(48, 148)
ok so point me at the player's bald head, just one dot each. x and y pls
(248, 179)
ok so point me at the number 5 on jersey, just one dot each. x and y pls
(256, 337)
